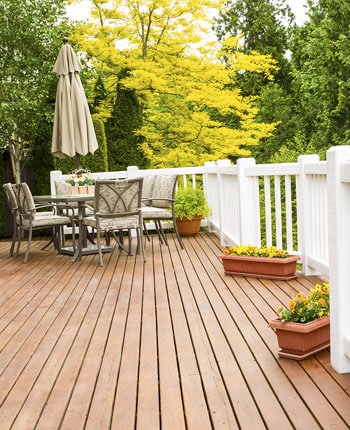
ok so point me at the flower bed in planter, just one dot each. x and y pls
(303, 328)
(260, 267)
(300, 340)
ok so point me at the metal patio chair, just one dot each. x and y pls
(158, 206)
(117, 209)
(32, 218)
(12, 203)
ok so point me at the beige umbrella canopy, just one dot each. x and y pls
(73, 130)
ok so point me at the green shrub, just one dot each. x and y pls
(190, 202)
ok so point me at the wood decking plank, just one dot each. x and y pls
(170, 344)
(125, 405)
(39, 346)
(148, 393)
(258, 333)
(171, 403)
(219, 405)
(196, 409)
(101, 408)
(270, 408)
(62, 363)
(248, 415)
(71, 393)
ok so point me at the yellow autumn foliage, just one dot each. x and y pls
(191, 107)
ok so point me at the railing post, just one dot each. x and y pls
(248, 190)
(339, 267)
(133, 172)
(304, 212)
(207, 187)
(221, 164)
(55, 175)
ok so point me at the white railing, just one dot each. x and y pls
(303, 207)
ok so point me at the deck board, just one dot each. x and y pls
(172, 343)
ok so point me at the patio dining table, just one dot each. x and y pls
(81, 200)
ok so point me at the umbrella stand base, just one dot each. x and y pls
(88, 250)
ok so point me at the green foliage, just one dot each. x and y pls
(321, 74)
(29, 39)
(275, 105)
(41, 158)
(123, 142)
(190, 202)
(191, 110)
(303, 309)
(290, 152)
(266, 26)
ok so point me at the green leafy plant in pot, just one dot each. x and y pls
(190, 207)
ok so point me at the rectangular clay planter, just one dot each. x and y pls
(260, 267)
(300, 340)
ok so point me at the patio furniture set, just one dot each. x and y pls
(118, 206)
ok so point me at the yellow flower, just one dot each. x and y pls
(322, 302)
(303, 309)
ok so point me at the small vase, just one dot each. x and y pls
(82, 189)
(300, 340)
(260, 267)
(90, 189)
(74, 189)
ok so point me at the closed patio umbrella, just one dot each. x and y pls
(73, 130)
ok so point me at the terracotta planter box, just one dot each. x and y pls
(188, 227)
(74, 189)
(90, 189)
(260, 267)
(298, 341)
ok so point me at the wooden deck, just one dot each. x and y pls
(170, 344)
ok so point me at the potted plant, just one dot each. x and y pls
(82, 182)
(303, 328)
(262, 262)
(190, 207)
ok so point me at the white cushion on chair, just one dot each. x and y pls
(147, 188)
(163, 189)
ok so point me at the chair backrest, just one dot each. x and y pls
(62, 188)
(25, 201)
(11, 197)
(121, 197)
(164, 190)
(147, 188)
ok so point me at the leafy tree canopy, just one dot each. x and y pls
(192, 110)
(322, 73)
(28, 45)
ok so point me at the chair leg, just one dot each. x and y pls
(178, 234)
(14, 239)
(145, 230)
(73, 236)
(161, 231)
(140, 243)
(98, 240)
(57, 238)
(19, 241)
(129, 239)
(158, 227)
(28, 246)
